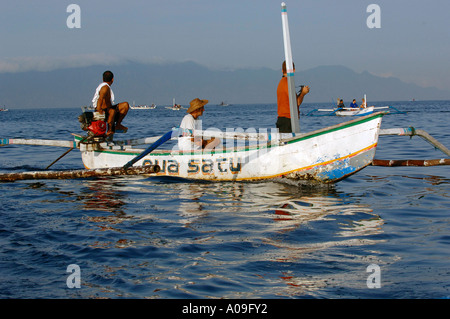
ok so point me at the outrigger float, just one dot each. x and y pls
(326, 155)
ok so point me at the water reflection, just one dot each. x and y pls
(102, 194)
(105, 195)
(232, 225)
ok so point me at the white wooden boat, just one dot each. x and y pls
(175, 108)
(355, 111)
(326, 155)
(143, 107)
(348, 111)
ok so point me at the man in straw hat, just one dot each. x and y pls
(187, 141)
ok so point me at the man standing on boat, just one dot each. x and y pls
(284, 112)
(103, 102)
(188, 141)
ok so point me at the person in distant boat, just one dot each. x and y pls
(363, 104)
(284, 112)
(353, 104)
(187, 141)
(103, 102)
(341, 104)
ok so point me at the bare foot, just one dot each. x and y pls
(121, 127)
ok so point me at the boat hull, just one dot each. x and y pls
(355, 112)
(326, 155)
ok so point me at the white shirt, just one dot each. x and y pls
(187, 128)
(97, 94)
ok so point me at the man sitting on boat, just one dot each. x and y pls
(188, 141)
(284, 112)
(363, 104)
(103, 102)
(341, 104)
(354, 104)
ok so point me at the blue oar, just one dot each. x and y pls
(160, 141)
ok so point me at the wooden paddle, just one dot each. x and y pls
(160, 141)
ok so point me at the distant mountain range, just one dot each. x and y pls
(141, 83)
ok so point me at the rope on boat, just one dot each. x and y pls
(83, 173)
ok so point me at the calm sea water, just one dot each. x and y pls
(158, 238)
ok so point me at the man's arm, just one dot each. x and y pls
(305, 90)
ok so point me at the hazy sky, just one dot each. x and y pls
(412, 44)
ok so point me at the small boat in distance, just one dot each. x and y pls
(143, 107)
(3, 109)
(223, 104)
(354, 111)
(175, 106)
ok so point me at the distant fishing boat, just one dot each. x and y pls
(223, 104)
(354, 111)
(175, 107)
(143, 107)
(348, 111)
(3, 109)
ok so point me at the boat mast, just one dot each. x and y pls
(290, 71)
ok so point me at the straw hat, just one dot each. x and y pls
(196, 104)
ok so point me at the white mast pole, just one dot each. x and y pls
(290, 71)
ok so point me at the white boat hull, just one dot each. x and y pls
(326, 155)
(355, 112)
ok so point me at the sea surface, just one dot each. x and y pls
(381, 233)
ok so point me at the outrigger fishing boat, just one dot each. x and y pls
(143, 107)
(326, 155)
(175, 106)
(349, 111)
(355, 111)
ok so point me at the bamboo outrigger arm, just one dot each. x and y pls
(411, 131)
(40, 142)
